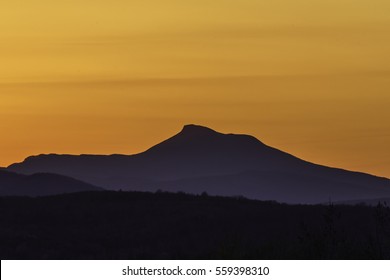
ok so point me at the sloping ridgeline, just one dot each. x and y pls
(40, 184)
(200, 159)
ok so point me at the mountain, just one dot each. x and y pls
(13, 184)
(200, 159)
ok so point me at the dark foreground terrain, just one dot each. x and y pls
(135, 225)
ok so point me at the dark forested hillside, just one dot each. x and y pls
(136, 225)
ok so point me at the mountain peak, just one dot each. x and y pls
(195, 130)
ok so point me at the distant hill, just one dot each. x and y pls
(13, 184)
(200, 159)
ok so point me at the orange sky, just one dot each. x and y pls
(309, 77)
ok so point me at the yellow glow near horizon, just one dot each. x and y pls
(308, 77)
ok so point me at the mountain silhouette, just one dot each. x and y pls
(199, 159)
(41, 184)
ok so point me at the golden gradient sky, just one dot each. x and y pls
(97, 76)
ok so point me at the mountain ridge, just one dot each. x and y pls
(40, 184)
(198, 152)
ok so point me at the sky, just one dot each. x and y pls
(309, 77)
